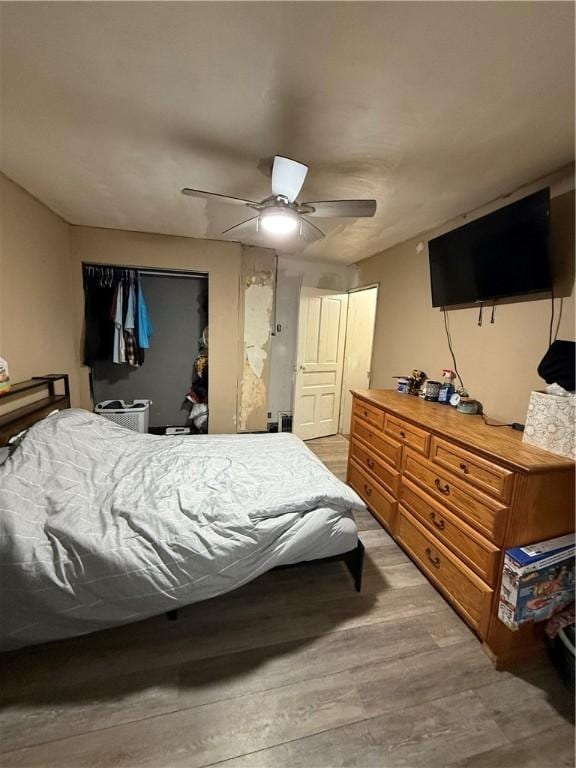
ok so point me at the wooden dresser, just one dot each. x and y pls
(455, 493)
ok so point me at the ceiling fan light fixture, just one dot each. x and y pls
(279, 214)
(279, 222)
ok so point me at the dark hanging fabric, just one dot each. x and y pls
(558, 365)
(130, 334)
(99, 330)
(139, 350)
(125, 289)
(200, 387)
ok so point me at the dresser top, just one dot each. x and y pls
(501, 443)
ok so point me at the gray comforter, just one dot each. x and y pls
(101, 526)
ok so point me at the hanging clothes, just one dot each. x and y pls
(130, 344)
(117, 322)
(98, 326)
(139, 349)
(129, 321)
(131, 350)
(119, 351)
(144, 322)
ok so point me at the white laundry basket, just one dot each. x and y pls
(135, 415)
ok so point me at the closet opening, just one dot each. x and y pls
(146, 338)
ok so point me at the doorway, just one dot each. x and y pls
(334, 355)
(360, 325)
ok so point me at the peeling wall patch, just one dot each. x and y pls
(257, 316)
(256, 307)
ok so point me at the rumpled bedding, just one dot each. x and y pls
(101, 526)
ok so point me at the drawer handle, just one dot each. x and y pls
(439, 523)
(370, 463)
(434, 559)
(445, 489)
(402, 433)
(464, 468)
(365, 413)
(367, 490)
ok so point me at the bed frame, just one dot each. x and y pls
(353, 559)
(25, 416)
(21, 418)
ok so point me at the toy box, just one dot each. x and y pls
(537, 581)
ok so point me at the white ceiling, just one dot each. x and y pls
(433, 108)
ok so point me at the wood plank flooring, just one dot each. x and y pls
(295, 670)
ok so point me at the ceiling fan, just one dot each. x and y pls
(281, 214)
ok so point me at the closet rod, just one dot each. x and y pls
(145, 271)
(172, 273)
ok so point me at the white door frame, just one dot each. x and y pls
(344, 428)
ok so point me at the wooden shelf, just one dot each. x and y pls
(30, 385)
(14, 421)
(27, 410)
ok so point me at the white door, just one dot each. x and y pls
(358, 350)
(319, 362)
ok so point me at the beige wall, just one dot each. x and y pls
(221, 260)
(36, 301)
(497, 362)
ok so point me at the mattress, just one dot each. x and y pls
(101, 526)
(326, 533)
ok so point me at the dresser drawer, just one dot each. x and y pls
(370, 414)
(382, 505)
(389, 449)
(407, 433)
(485, 475)
(482, 512)
(468, 593)
(378, 468)
(476, 551)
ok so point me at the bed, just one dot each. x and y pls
(102, 526)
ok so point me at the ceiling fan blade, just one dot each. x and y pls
(223, 198)
(334, 208)
(288, 177)
(248, 227)
(310, 231)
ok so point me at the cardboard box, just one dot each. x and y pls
(550, 423)
(537, 581)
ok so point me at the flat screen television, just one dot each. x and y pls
(505, 253)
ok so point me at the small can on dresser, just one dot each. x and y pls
(431, 390)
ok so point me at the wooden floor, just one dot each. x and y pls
(295, 670)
